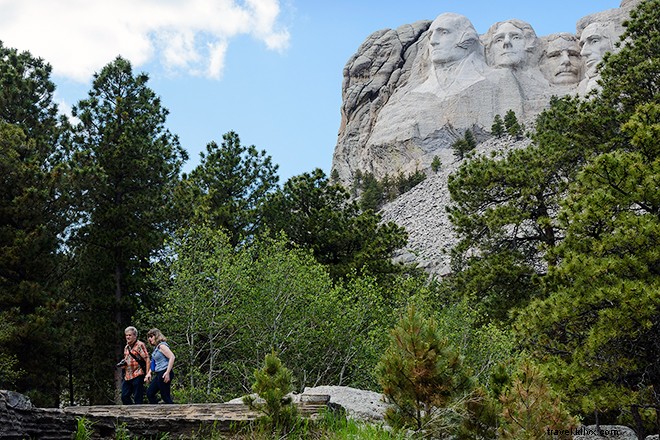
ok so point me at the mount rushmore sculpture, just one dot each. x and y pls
(409, 93)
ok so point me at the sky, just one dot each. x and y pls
(270, 70)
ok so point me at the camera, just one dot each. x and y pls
(121, 363)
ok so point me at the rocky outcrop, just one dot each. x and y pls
(19, 419)
(422, 212)
(409, 93)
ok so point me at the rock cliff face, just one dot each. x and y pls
(409, 93)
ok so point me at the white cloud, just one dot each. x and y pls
(79, 37)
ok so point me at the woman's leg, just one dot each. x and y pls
(165, 388)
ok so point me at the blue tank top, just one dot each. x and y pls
(160, 359)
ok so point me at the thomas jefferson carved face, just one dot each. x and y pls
(561, 61)
(452, 38)
(508, 47)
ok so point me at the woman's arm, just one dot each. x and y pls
(170, 364)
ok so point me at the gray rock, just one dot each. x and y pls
(359, 404)
(406, 98)
(422, 212)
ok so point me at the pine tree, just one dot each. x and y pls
(33, 220)
(436, 164)
(597, 324)
(128, 166)
(531, 409)
(319, 215)
(229, 187)
(498, 129)
(511, 124)
(273, 385)
(420, 373)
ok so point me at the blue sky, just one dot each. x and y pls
(270, 70)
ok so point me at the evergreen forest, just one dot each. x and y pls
(550, 318)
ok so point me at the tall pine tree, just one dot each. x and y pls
(32, 222)
(128, 165)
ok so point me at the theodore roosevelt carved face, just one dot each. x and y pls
(561, 60)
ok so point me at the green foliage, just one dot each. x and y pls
(317, 214)
(436, 164)
(512, 126)
(84, 429)
(372, 193)
(33, 220)
(272, 383)
(375, 193)
(596, 327)
(127, 165)
(422, 375)
(227, 190)
(338, 427)
(531, 409)
(209, 291)
(498, 129)
(464, 145)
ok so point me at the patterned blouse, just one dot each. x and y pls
(133, 369)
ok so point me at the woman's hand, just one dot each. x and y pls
(166, 377)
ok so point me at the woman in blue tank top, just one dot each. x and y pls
(161, 368)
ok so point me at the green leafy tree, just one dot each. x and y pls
(498, 129)
(318, 215)
(229, 187)
(33, 220)
(423, 376)
(128, 165)
(228, 308)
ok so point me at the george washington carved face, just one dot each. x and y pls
(452, 39)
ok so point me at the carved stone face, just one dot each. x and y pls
(450, 39)
(561, 61)
(507, 48)
(594, 43)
